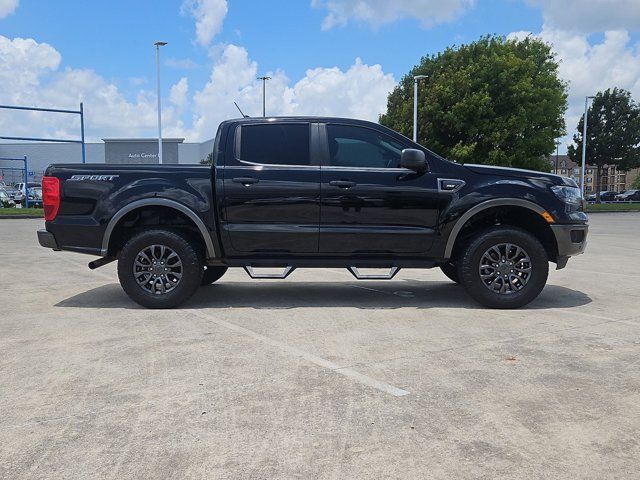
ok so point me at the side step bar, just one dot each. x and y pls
(392, 273)
(285, 273)
(288, 270)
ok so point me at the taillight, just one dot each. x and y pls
(50, 197)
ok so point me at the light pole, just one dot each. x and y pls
(264, 84)
(416, 79)
(584, 143)
(158, 45)
(557, 151)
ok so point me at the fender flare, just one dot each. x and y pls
(162, 202)
(496, 202)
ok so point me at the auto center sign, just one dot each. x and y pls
(143, 155)
(140, 150)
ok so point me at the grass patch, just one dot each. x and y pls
(22, 211)
(613, 207)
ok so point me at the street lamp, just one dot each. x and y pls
(416, 79)
(557, 151)
(584, 143)
(264, 83)
(158, 45)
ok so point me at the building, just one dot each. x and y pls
(612, 179)
(110, 150)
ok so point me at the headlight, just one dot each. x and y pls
(568, 194)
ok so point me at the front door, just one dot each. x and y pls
(369, 204)
(272, 190)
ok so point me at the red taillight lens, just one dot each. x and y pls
(50, 197)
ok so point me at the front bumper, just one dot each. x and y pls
(571, 240)
(47, 240)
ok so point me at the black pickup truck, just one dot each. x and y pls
(315, 192)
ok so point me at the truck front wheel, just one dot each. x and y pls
(504, 267)
(160, 269)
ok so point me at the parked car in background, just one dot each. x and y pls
(24, 186)
(629, 196)
(35, 197)
(15, 194)
(5, 199)
(605, 196)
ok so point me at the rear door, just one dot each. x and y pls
(272, 189)
(369, 203)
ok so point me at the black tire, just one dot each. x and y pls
(451, 271)
(525, 289)
(212, 274)
(190, 269)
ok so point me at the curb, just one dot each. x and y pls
(19, 217)
(613, 211)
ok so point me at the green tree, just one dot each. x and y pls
(613, 134)
(208, 160)
(494, 101)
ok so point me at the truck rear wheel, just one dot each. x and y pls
(212, 274)
(504, 267)
(160, 269)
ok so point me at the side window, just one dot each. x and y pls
(351, 146)
(275, 144)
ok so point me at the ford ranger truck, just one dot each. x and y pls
(309, 192)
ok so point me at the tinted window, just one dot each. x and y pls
(362, 147)
(275, 144)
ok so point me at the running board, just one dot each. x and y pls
(261, 276)
(359, 276)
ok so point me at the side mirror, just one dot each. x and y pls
(413, 159)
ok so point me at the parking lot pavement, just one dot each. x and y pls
(319, 375)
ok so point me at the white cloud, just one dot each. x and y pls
(589, 68)
(7, 7)
(360, 91)
(378, 12)
(30, 76)
(178, 95)
(590, 16)
(180, 63)
(138, 81)
(209, 15)
(22, 62)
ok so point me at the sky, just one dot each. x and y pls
(325, 57)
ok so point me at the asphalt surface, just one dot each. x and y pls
(320, 375)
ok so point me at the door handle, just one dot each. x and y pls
(246, 181)
(342, 183)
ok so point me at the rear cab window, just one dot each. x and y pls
(274, 144)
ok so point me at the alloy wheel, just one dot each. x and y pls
(505, 268)
(157, 269)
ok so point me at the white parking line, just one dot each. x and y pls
(346, 371)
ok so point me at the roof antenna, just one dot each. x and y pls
(241, 113)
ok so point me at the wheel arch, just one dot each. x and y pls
(200, 226)
(482, 209)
